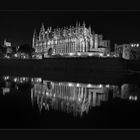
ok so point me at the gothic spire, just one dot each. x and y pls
(42, 29)
(34, 39)
(50, 29)
(84, 24)
(76, 24)
(89, 29)
(34, 34)
(79, 24)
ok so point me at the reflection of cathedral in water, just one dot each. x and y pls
(76, 98)
(69, 97)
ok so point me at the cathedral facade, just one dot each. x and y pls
(72, 41)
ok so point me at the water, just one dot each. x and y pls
(34, 102)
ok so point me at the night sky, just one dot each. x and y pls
(117, 26)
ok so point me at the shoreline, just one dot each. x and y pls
(97, 70)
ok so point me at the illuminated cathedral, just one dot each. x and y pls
(72, 41)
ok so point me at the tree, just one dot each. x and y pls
(2, 51)
(14, 49)
(26, 48)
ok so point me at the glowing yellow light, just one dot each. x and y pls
(70, 84)
(38, 79)
(101, 54)
(79, 99)
(100, 86)
(60, 83)
(107, 86)
(6, 77)
(71, 54)
(89, 85)
(24, 78)
(15, 79)
(90, 54)
(32, 79)
(79, 54)
(15, 55)
(78, 85)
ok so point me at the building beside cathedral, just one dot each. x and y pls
(129, 51)
(72, 41)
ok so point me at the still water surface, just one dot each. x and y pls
(40, 103)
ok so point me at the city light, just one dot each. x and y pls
(6, 77)
(89, 85)
(6, 90)
(90, 54)
(32, 79)
(15, 79)
(114, 55)
(100, 86)
(59, 84)
(6, 56)
(79, 99)
(24, 78)
(15, 55)
(135, 45)
(133, 98)
(107, 86)
(79, 54)
(71, 54)
(78, 85)
(101, 54)
(70, 84)
(39, 79)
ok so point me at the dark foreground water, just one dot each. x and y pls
(40, 103)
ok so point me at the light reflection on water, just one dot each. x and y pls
(69, 97)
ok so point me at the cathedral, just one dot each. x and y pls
(72, 41)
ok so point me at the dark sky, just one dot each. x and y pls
(118, 26)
